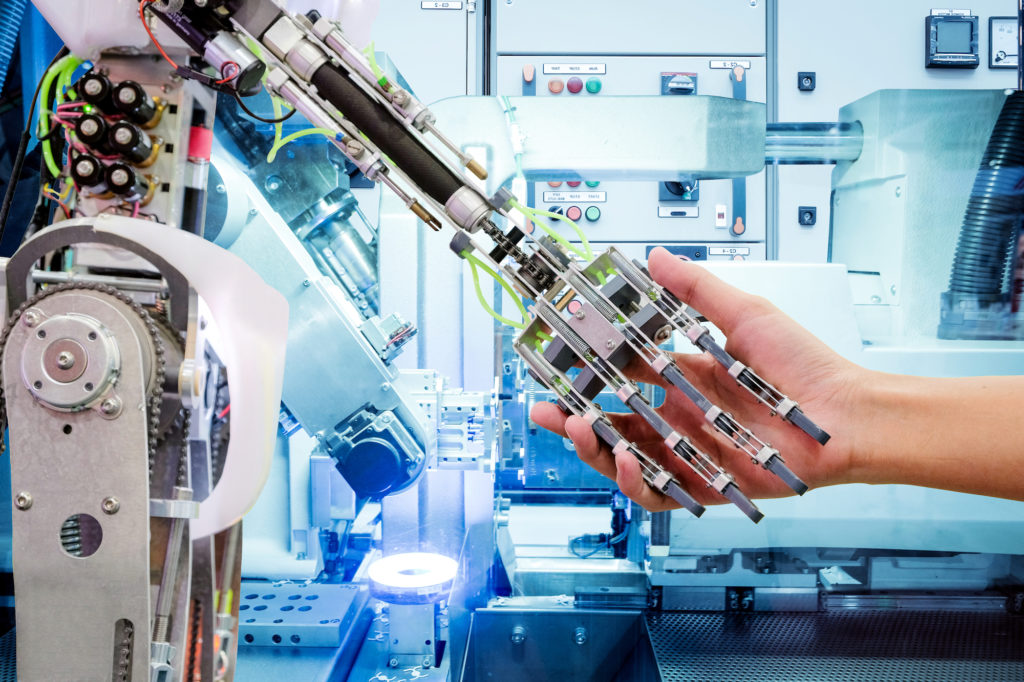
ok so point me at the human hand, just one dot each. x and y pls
(828, 387)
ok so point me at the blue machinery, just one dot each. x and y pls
(414, 524)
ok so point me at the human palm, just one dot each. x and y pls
(779, 350)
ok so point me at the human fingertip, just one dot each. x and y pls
(548, 416)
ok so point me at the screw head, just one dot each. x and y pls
(89, 127)
(354, 148)
(65, 359)
(111, 406)
(23, 500)
(579, 636)
(609, 344)
(123, 135)
(31, 318)
(110, 505)
(427, 662)
(518, 635)
(580, 314)
(393, 663)
(119, 177)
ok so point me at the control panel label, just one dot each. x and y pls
(440, 5)
(728, 251)
(730, 63)
(575, 197)
(678, 212)
(574, 68)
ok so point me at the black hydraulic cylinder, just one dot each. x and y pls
(387, 133)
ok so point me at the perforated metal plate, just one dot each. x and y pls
(874, 645)
(8, 660)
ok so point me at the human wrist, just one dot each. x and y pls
(878, 411)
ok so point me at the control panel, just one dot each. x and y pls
(715, 219)
(951, 39)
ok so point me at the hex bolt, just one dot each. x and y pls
(518, 635)
(65, 359)
(111, 406)
(579, 636)
(23, 500)
(31, 317)
(110, 505)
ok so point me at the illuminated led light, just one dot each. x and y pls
(412, 577)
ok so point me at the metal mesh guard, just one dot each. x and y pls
(876, 646)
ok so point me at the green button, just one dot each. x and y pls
(593, 183)
(593, 213)
(593, 85)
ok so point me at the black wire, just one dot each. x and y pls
(19, 159)
(260, 118)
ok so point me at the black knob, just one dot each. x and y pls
(95, 88)
(130, 141)
(92, 131)
(88, 172)
(132, 100)
(127, 182)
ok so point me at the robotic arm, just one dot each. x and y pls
(618, 311)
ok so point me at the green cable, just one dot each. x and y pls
(371, 57)
(546, 337)
(601, 278)
(531, 214)
(278, 127)
(64, 80)
(51, 73)
(473, 263)
(573, 225)
(272, 154)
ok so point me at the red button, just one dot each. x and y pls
(575, 84)
(555, 85)
(573, 213)
(574, 183)
(554, 183)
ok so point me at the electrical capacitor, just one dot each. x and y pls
(127, 182)
(95, 88)
(87, 171)
(91, 130)
(132, 100)
(131, 142)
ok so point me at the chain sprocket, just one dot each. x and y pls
(155, 397)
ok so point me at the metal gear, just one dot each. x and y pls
(155, 398)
